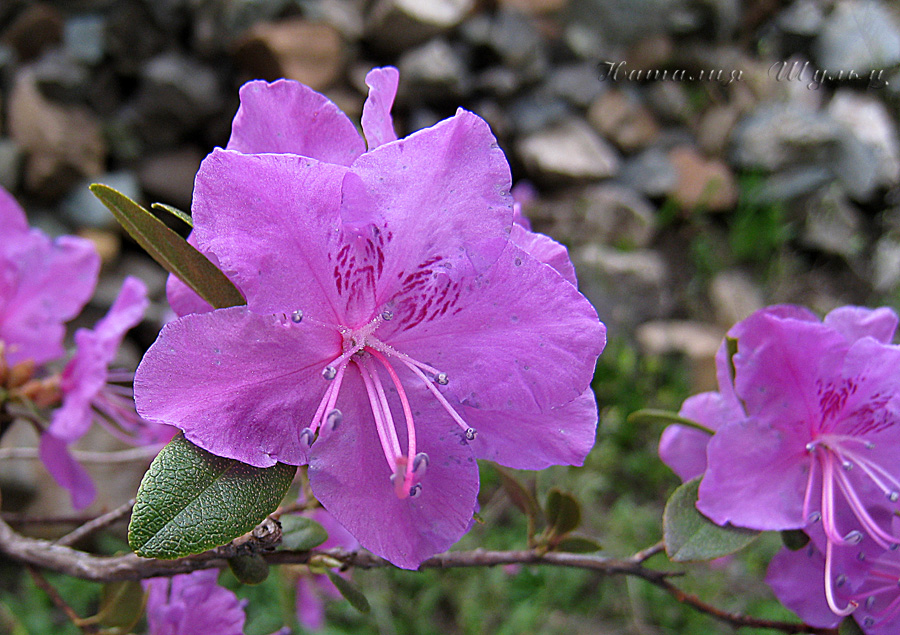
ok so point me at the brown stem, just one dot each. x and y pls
(57, 599)
(41, 553)
(95, 525)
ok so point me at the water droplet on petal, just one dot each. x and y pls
(893, 496)
(861, 556)
(847, 465)
(387, 315)
(870, 445)
(870, 601)
(810, 446)
(415, 490)
(334, 418)
(470, 434)
(814, 517)
(420, 464)
(841, 580)
(868, 621)
(442, 379)
(297, 316)
(307, 436)
(518, 262)
(893, 546)
(329, 372)
(854, 537)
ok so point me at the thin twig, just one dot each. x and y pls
(100, 522)
(645, 554)
(44, 554)
(57, 599)
(141, 453)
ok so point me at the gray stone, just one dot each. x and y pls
(568, 152)
(833, 225)
(791, 183)
(83, 38)
(669, 101)
(168, 177)
(622, 118)
(871, 124)
(734, 296)
(60, 78)
(344, 15)
(858, 35)
(886, 264)
(777, 136)
(715, 128)
(576, 83)
(650, 173)
(432, 70)
(397, 25)
(802, 17)
(627, 287)
(83, 209)
(615, 215)
(536, 110)
(10, 164)
(696, 341)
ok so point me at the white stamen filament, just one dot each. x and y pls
(829, 586)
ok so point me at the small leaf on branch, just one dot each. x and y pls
(121, 606)
(663, 417)
(850, 627)
(577, 544)
(174, 211)
(249, 568)
(190, 501)
(350, 591)
(521, 497)
(299, 533)
(691, 536)
(794, 539)
(170, 250)
(563, 513)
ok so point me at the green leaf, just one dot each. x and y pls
(170, 250)
(121, 605)
(577, 544)
(521, 497)
(190, 501)
(350, 591)
(850, 627)
(794, 539)
(664, 417)
(249, 568)
(563, 512)
(299, 533)
(691, 536)
(174, 211)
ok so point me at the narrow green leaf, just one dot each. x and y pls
(691, 536)
(174, 211)
(850, 627)
(732, 348)
(121, 605)
(170, 250)
(299, 533)
(794, 539)
(563, 512)
(664, 417)
(249, 568)
(521, 497)
(577, 544)
(350, 591)
(190, 501)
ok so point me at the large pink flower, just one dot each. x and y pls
(43, 284)
(389, 316)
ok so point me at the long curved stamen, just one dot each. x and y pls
(329, 399)
(881, 537)
(807, 494)
(443, 401)
(378, 411)
(390, 351)
(391, 430)
(877, 473)
(407, 412)
(828, 525)
(829, 586)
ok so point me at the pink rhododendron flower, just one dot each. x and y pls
(43, 284)
(83, 386)
(194, 603)
(389, 316)
(820, 439)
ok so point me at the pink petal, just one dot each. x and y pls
(856, 322)
(377, 124)
(546, 250)
(286, 117)
(66, 471)
(796, 578)
(239, 385)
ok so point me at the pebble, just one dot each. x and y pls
(396, 25)
(833, 225)
(651, 173)
(871, 123)
(858, 35)
(615, 215)
(309, 52)
(697, 341)
(703, 184)
(568, 152)
(624, 120)
(168, 177)
(83, 209)
(433, 70)
(11, 160)
(734, 296)
(83, 38)
(37, 28)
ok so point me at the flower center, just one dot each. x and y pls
(372, 357)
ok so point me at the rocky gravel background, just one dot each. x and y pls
(691, 153)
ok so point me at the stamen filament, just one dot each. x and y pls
(807, 495)
(382, 396)
(407, 412)
(829, 586)
(381, 425)
(881, 537)
(437, 394)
